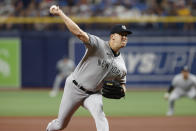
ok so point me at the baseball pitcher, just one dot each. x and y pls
(102, 61)
(183, 84)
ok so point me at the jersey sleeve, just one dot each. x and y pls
(93, 41)
(122, 80)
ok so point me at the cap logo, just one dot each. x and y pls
(124, 27)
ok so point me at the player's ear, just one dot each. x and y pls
(112, 36)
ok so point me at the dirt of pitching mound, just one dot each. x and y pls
(180, 123)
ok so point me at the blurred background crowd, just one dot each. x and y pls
(103, 8)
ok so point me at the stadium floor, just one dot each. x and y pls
(163, 123)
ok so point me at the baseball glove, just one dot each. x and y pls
(112, 90)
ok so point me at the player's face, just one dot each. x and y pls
(121, 39)
(185, 74)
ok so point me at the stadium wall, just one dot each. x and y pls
(40, 52)
(151, 59)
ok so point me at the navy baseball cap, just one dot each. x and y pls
(119, 29)
(185, 68)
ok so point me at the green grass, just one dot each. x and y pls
(38, 103)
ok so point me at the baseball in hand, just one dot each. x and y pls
(53, 9)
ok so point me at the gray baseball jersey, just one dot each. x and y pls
(180, 82)
(98, 64)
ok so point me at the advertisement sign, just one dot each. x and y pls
(9, 62)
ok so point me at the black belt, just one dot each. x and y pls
(82, 88)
